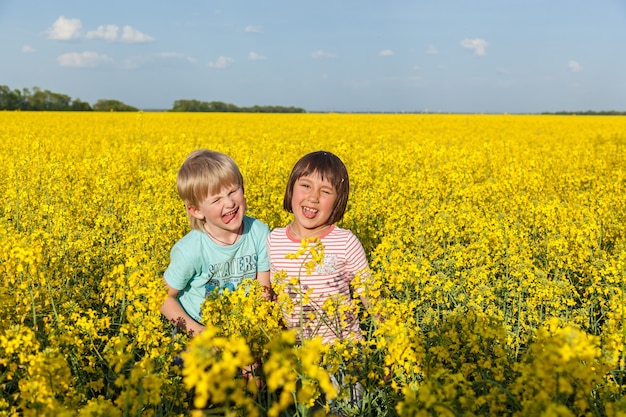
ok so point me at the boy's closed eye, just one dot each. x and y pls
(216, 199)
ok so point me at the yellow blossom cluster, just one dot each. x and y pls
(497, 246)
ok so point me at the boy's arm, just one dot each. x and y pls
(175, 313)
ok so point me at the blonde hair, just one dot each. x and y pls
(204, 173)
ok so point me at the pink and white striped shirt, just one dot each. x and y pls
(344, 258)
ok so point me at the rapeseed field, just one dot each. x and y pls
(497, 245)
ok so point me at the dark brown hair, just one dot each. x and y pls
(328, 166)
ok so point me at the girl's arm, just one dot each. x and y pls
(264, 279)
(175, 313)
(358, 265)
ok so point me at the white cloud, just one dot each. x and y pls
(82, 60)
(319, 54)
(385, 52)
(27, 49)
(253, 29)
(431, 50)
(253, 56)
(221, 62)
(111, 33)
(479, 46)
(106, 32)
(131, 35)
(65, 29)
(574, 66)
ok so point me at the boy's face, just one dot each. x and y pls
(223, 212)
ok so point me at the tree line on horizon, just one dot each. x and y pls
(218, 106)
(587, 113)
(46, 100)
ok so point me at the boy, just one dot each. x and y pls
(224, 246)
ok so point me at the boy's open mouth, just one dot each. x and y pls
(228, 217)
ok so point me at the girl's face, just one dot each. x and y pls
(312, 204)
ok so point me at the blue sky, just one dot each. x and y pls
(467, 56)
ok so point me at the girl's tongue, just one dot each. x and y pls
(309, 213)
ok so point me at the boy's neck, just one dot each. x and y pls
(227, 239)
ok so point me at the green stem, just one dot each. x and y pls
(52, 303)
(32, 306)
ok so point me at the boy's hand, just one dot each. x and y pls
(175, 313)
(195, 328)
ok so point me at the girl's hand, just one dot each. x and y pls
(251, 372)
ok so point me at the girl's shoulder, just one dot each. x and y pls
(339, 232)
(278, 231)
(341, 237)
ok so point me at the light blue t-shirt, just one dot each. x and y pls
(198, 265)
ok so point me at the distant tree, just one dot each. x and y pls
(47, 100)
(38, 100)
(10, 100)
(112, 105)
(58, 101)
(588, 113)
(203, 106)
(190, 106)
(78, 105)
(273, 109)
(220, 106)
(26, 103)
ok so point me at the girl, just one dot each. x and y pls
(317, 195)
